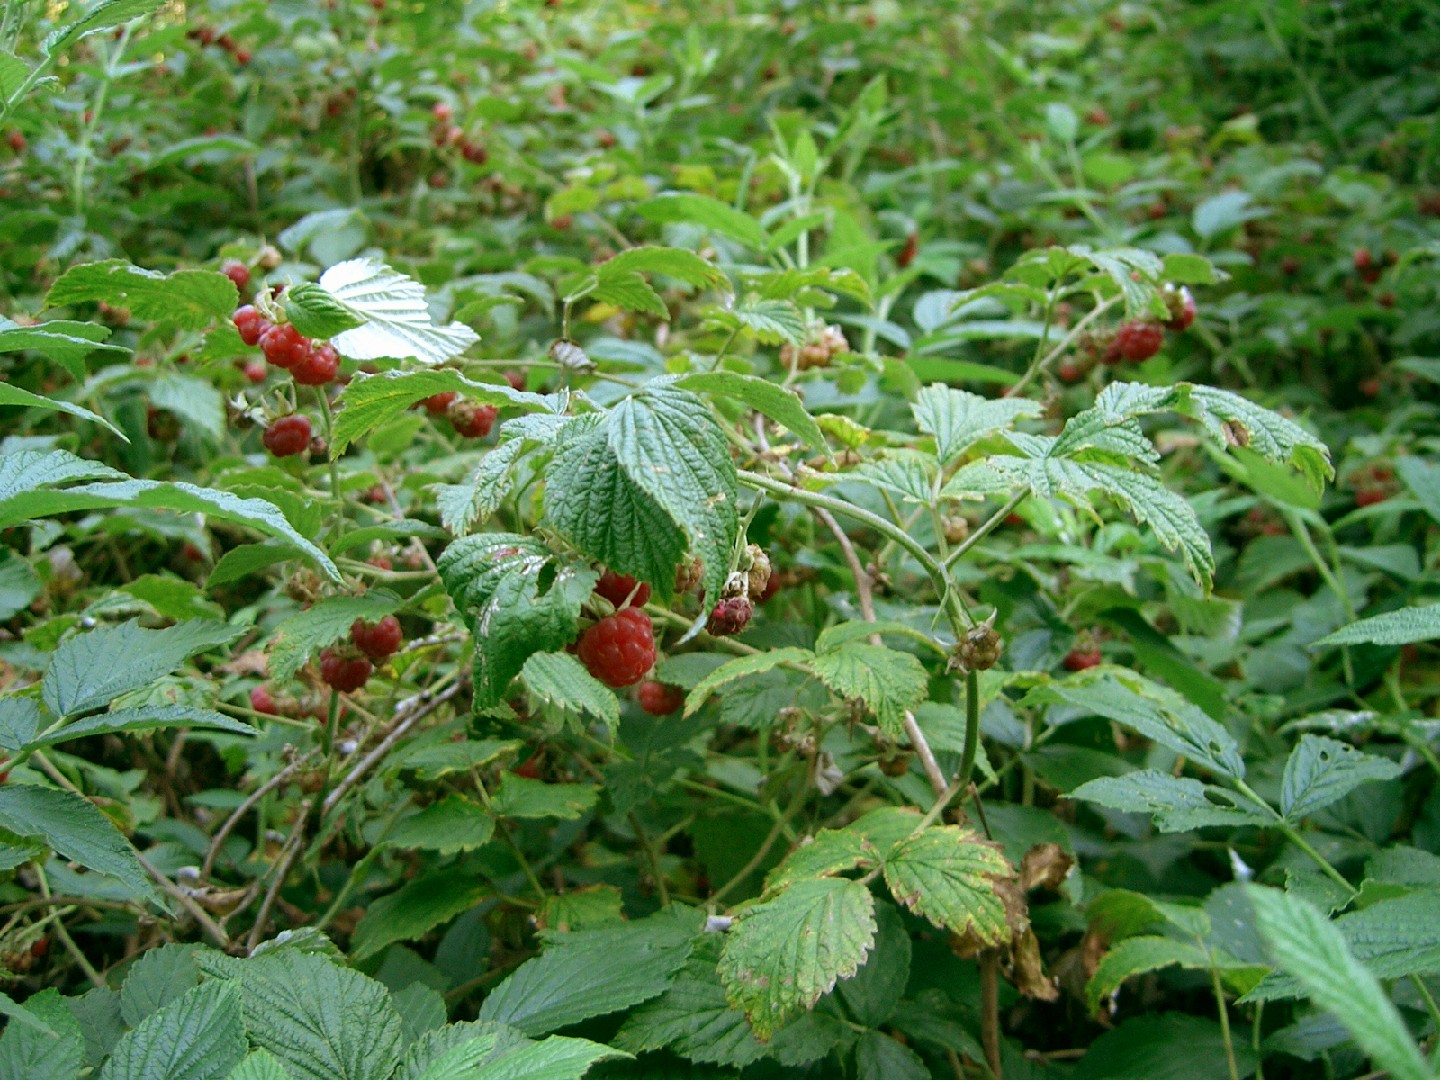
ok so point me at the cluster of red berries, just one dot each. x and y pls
(1368, 267)
(448, 133)
(1133, 341)
(1372, 484)
(469, 419)
(207, 36)
(620, 648)
(1083, 657)
(309, 363)
(347, 669)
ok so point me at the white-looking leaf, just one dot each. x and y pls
(395, 317)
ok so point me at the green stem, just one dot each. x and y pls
(996, 520)
(1041, 362)
(1224, 1015)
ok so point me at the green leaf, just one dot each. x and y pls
(14, 395)
(322, 1021)
(1307, 946)
(521, 797)
(958, 419)
(1137, 956)
(1164, 1046)
(1402, 627)
(911, 474)
(325, 622)
(317, 314)
(765, 397)
(13, 73)
(1183, 269)
(260, 1065)
(66, 341)
(144, 718)
(183, 300)
(43, 1040)
(415, 909)
(781, 955)
(592, 973)
(948, 875)
(562, 682)
(393, 314)
(199, 1036)
(1178, 804)
(452, 825)
(23, 471)
(103, 16)
(1423, 479)
(517, 598)
(872, 995)
(372, 400)
(157, 978)
(770, 322)
(193, 400)
(555, 1058)
(19, 584)
(672, 262)
(826, 854)
(1321, 771)
(739, 668)
(75, 830)
(484, 490)
(881, 1057)
(708, 213)
(1223, 212)
(888, 681)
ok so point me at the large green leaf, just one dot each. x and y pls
(183, 300)
(889, 682)
(781, 955)
(741, 667)
(42, 1041)
(103, 16)
(517, 598)
(260, 1065)
(144, 718)
(199, 1036)
(948, 875)
(1403, 627)
(555, 1058)
(75, 830)
(958, 418)
(1138, 956)
(452, 825)
(415, 909)
(561, 681)
(1177, 803)
(159, 977)
(522, 797)
(1321, 771)
(765, 397)
(14, 395)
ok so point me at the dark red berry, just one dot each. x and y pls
(516, 379)
(262, 702)
(1081, 659)
(284, 346)
(659, 699)
(1362, 259)
(621, 590)
(442, 112)
(251, 324)
(730, 616)
(17, 141)
(1370, 387)
(471, 420)
(1290, 266)
(1182, 309)
(237, 272)
(619, 649)
(1370, 496)
(438, 404)
(530, 768)
(1137, 341)
(343, 672)
(288, 436)
(317, 366)
(474, 153)
(908, 252)
(1069, 372)
(377, 640)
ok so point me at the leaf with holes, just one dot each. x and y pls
(1321, 771)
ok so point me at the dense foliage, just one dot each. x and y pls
(886, 540)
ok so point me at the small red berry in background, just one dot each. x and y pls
(619, 649)
(772, 586)
(659, 699)
(474, 153)
(284, 346)
(470, 420)
(256, 371)
(4, 774)
(1182, 309)
(318, 366)
(618, 589)
(1069, 372)
(1290, 266)
(287, 436)
(1369, 496)
(237, 272)
(1136, 341)
(437, 404)
(530, 768)
(908, 252)
(343, 672)
(562, 222)
(17, 141)
(1362, 259)
(262, 701)
(516, 379)
(251, 324)
(730, 616)
(1370, 387)
(377, 640)
(442, 112)
(1082, 658)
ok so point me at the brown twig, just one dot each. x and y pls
(222, 833)
(196, 912)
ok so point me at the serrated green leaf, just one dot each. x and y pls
(393, 314)
(555, 1058)
(958, 419)
(879, 1056)
(562, 682)
(484, 490)
(317, 314)
(911, 474)
(1401, 627)
(260, 1065)
(146, 718)
(739, 668)
(415, 909)
(1307, 946)
(765, 397)
(325, 622)
(199, 1036)
(1137, 956)
(19, 584)
(66, 341)
(1423, 479)
(517, 598)
(1321, 771)
(889, 682)
(103, 16)
(693, 1019)
(770, 322)
(14, 395)
(872, 995)
(781, 955)
(93, 668)
(73, 828)
(678, 263)
(452, 825)
(1178, 804)
(183, 300)
(708, 213)
(24, 471)
(826, 854)
(948, 875)
(43, 1040)
(13, 73)
(521, 797)
(1165, 1046)
(157, 978)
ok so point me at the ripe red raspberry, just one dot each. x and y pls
(377, 640)
(284, 346)
(475, 153)
(659, 699)
(1137, 341)
(438, 404)
(908, 252)
(262, 702)
(471, 420)
(1069, 372)
(730, 616)
(1080, 659)
(317, 365)
(251, 324)
(344, 672)
(1370, 496)
(1369, 388)
(17, 141)
(287, 436)
(617, 588)
(255, 371)
(619, 649)
(1362, 259)
(516, 379)
(1182, 309)
(237, 272)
